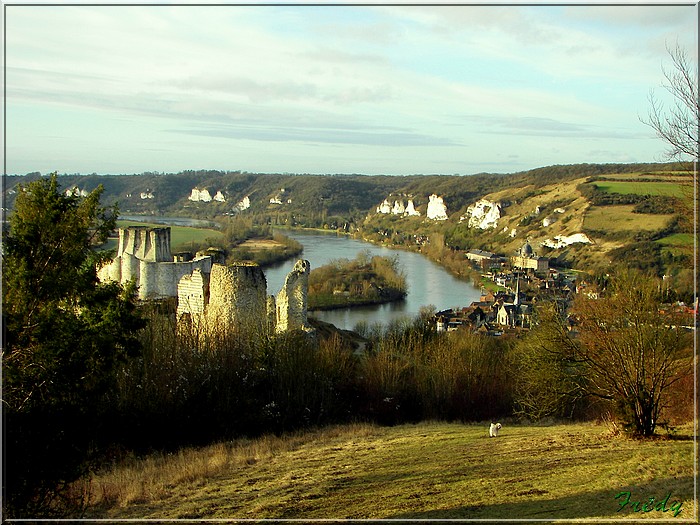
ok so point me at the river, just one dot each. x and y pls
(428, 283)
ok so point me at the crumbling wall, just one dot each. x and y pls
(234, 299)
(193, 293)
(293, 298)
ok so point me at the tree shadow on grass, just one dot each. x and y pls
(601, 504)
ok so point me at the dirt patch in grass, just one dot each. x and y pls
(424, 471)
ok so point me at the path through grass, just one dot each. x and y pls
(427, 471)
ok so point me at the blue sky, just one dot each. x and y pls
(338, 89)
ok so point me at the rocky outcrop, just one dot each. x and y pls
(204, 195)
(200, 195)
(398, 208)
(411, 210)
(437, 210)
(384, 207)
(561, 241)
(483, 214)
(74, 191)
(243, 204)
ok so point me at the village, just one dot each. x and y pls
(520, 282)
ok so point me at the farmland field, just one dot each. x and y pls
(670, 189)
(425, 471)
(622, 218)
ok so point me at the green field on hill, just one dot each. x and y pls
(425, 471)
(670, 189)
(622, 218)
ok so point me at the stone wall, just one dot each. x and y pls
(145, 243)
(193, 293)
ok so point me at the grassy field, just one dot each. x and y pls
(425, 471)
(621, 218)
(678, 239)
(678, 243)
(671, 189)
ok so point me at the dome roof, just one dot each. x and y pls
(526, 250)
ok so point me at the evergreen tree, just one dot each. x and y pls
(65, 334)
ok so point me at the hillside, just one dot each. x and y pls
(424, 471)
(630, 212)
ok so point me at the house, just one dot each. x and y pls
(486, 260)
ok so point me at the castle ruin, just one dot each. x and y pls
(143, 255)
(234, 298)
(210, 295)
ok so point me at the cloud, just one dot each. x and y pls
(365, 137)
(640, 16)
(547, 127)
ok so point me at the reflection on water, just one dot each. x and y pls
(428, 283)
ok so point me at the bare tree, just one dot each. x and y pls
(625, 349)
(677, 124)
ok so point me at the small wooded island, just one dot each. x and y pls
(364, 280)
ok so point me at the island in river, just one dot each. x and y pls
(364, 280)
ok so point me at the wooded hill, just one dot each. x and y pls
(321, 194)
(638, 214)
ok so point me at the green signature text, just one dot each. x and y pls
(626, 499)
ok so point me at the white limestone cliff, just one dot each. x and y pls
(411, 210)
(243, 204)
(437, 210)
(384, 207)
(198, 195)
(483, 214)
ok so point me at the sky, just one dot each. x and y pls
(377, 89)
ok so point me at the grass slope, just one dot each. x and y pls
(424, 471)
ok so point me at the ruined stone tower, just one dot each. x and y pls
(292, 300)
(234, 298)
(146, 244)
(237, 298)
